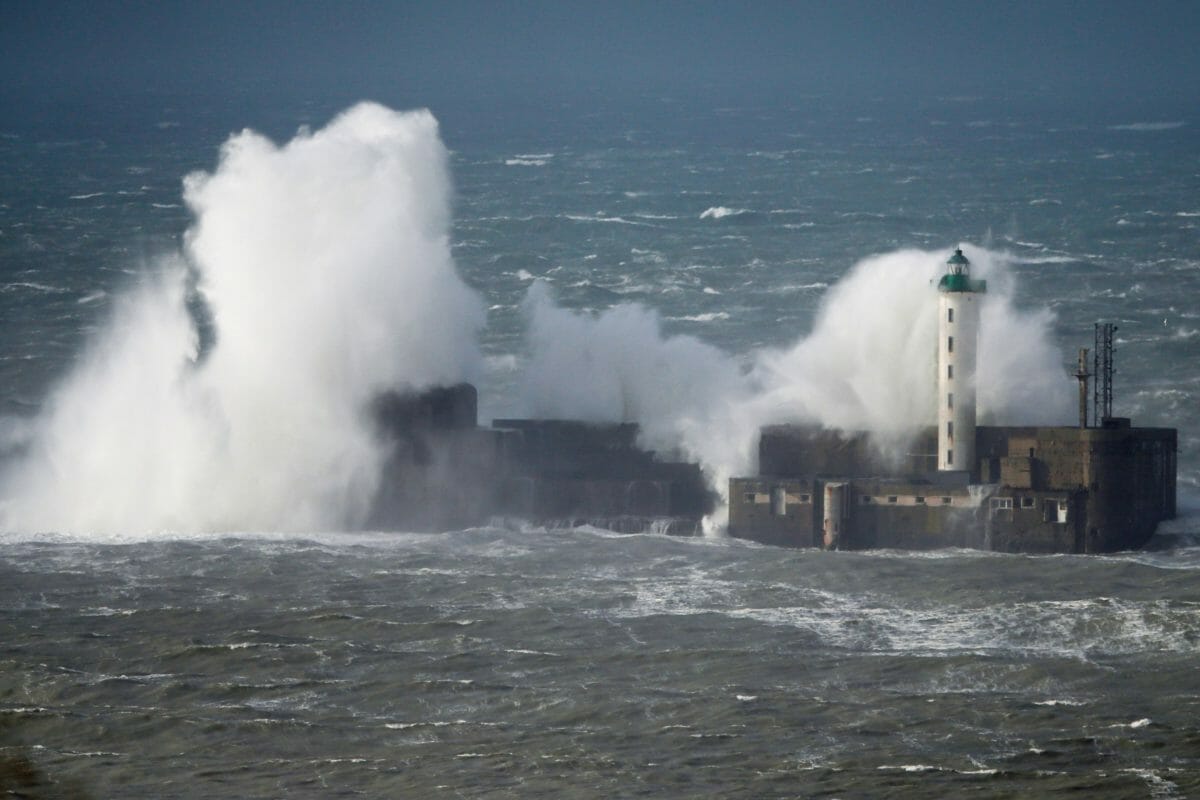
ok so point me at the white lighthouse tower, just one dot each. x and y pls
(959, 299)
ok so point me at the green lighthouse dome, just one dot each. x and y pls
(958, 276)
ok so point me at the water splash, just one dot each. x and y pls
(325, 267)
(868, 364)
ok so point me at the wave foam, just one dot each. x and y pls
(600, 218)
(861, 622)
(720, 212)
(710, 316)
(1148, 126)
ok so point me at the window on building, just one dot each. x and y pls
(920, 500)
(949, 344)
(1026, 502)
(892, 498)
(949, 315)
(947, 501)
(866, 500)
(950, 400)
(950, 457)
(749, 497)
(950, 371)
(778, 501)
(1000, 503)
(804, 498)
(950, 429)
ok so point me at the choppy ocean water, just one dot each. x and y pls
(529, 663)
(511, 661)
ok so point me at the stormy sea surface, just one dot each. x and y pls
(512, 660)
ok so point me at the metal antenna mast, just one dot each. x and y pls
(1103, 371)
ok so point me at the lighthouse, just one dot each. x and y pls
(959, 299)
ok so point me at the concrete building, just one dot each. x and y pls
(1041, 490)
(1015, 489)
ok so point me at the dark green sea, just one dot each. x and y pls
(188, 610)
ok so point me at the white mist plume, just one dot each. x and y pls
(868, 364)
(326, 268)
(618, 367)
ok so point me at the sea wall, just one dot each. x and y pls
(1033, 489)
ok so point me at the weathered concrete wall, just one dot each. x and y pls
(440, 469)
(439, 480)
(1067, 490)
(1131, 486)
(567, 469)
(1128, 473)
(790, 450)
(751, 511)
(878, 513)
(443, 472)
(538, 497)
(1029, 521)
(912, 516)
(440, 408)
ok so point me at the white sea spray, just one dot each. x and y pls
(326, 268)
(867, 364)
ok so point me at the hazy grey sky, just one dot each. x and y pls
(1090, 52)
